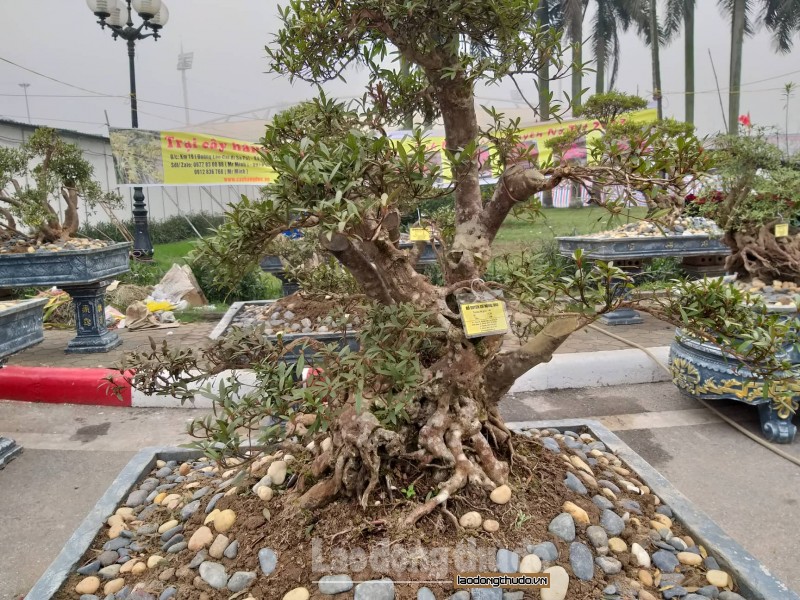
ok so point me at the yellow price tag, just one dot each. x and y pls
(419, 234)
(484, 318)
(781, 230)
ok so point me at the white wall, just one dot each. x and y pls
(161, 201)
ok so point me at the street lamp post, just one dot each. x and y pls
(118, 16)
(25, 87)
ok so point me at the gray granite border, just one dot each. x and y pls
(231, 313)
(754, 580)
(135, 471)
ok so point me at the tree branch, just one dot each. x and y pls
(504, 369)
(368, 276)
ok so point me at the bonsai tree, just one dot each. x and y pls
(755, 190)
(419, 395)
(50, 168)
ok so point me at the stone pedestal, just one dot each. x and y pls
(90, 319)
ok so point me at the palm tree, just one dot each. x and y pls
(611, 17)
(681, 12)
(781, 18)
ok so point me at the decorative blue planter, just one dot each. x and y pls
(21, 326)
(84, 275)
(332, 337)
(702, 370)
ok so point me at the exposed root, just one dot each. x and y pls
(760, 254)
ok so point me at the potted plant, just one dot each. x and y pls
(754, 196)
(39, 248)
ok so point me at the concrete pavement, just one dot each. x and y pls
(72, 453)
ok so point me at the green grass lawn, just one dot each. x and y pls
(175, 252)
(518, 234)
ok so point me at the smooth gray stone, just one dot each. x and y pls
(149, 484)
(730, 596)
(151, 496)
(507, 561)
(547, 551)
(179, 547)
(127, 533)
(241, 580)
(709, 591)
(602, 502)
(268, 560)
(169, 533)
(214, 575)
(381, 589)
(711, 564)
(90, 568)
(116, 543)
(597, 535)
(581, 561)
(563, 527)
(188, 510)
(163, 472)
(336, 584)
(135, 547)
(665, 510)
(631, 506)
(609, 564)
(213, 502)
(607, 484)
(672, 578)
(551, 444)
(461, 595)
(694, 597)
(575, 484)
(425, 594)
(165, 486)
(232, 550)
(680, 545)
(198, 559)
(665, 561)
(513, 595)
(175, 539)
(148, 529)
(109, 572)
(200, 493)
(136, 498)
(147, 512)
(674, 592)
(168, 593)
(108, 557)
(487, 594)
(88, 597)
(612, 522)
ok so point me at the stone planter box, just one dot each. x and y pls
(754, 580)
(332, 337)
(21, 326)
(84, 275)
(700, 253)
(639, 248)
(702, 370)
(64, 268)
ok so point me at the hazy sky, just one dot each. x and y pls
(60, 39)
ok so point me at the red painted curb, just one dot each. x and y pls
(62, 386)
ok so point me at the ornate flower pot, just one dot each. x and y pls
(702, 370)
(84, 275)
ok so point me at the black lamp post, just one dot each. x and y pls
(118, 16)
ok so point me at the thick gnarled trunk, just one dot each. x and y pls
(759, 254)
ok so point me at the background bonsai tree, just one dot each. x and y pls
(419, 396)
(34, 176)
(755, 187)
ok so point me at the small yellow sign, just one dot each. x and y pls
(781, 230)
(419, 234)
(484, 318)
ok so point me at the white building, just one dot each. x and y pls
(162, 202)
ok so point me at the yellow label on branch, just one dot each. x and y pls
(781, 230)
(419, 234)
(484, 318)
